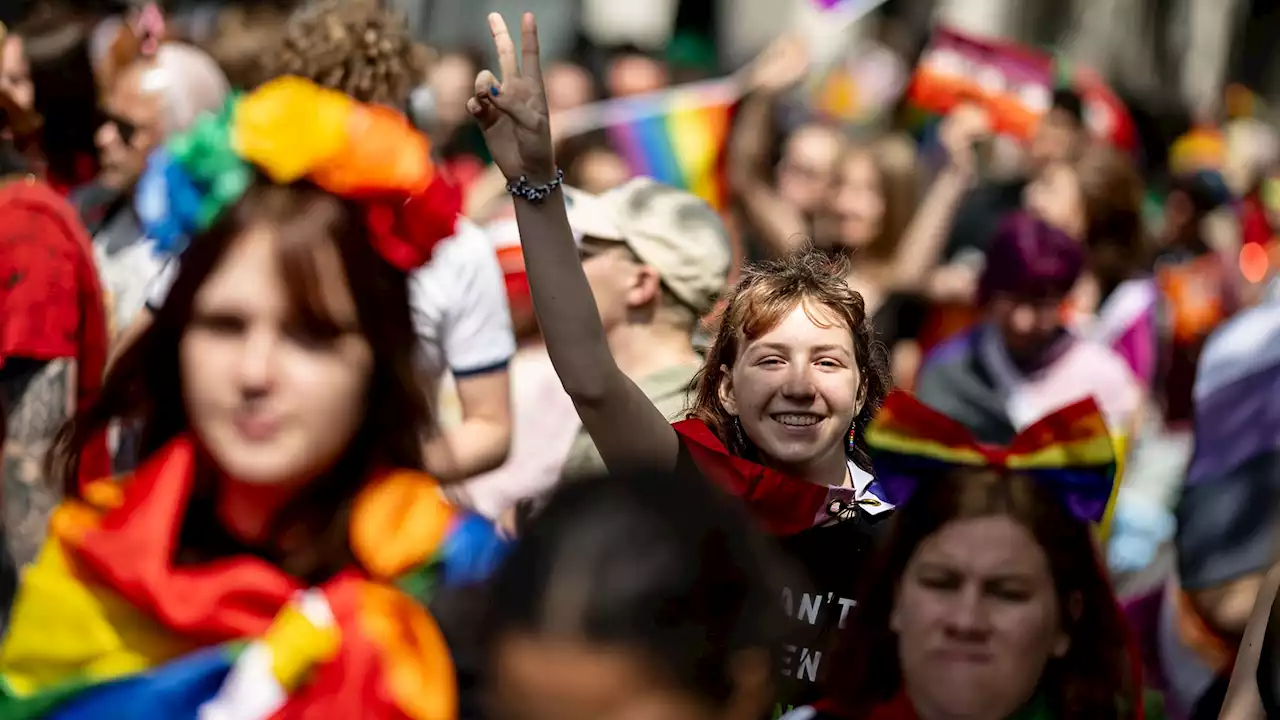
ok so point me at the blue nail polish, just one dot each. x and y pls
(493, 90)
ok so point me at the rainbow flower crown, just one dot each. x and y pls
(289, 130)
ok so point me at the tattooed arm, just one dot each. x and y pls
(36, 397)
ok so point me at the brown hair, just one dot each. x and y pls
(763, 296)
(1095, 677)
(894, 157)
(1112, 191)
(353, 46)
(143, 388)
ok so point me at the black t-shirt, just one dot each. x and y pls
(831, 560)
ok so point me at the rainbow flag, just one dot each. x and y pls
(106, 624)
(1013, 82)
(675, 136)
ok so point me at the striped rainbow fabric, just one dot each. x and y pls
(676, 136)
(1071, 450)
(107, 625)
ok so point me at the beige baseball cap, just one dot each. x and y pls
(670, 230)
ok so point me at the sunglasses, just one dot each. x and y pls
(125, 128)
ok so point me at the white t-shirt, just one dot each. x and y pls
(458, 300)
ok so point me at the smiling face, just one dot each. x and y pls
(977, 618)
(796, 389)
(272, 399)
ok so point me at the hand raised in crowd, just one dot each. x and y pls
(961, 130)
(512, 111)
(781, 66)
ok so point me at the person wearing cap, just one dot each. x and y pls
(655, 257)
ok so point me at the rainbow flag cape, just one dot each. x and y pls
(107, 624)
(1070, 450)
(675, 136)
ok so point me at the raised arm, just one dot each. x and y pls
(626, 428)
(924, 237)
(781, 225)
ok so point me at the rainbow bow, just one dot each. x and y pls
(1070, 450)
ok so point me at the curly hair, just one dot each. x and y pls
(353, 46)
(763, 296)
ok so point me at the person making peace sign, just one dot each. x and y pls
(779, 406)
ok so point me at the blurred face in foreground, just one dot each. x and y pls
(272, 400)
(977, 619)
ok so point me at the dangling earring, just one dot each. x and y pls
(737, 431)
(853, 434)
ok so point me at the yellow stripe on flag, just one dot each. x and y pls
(62, 629)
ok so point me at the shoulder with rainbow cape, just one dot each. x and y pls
(106, 624)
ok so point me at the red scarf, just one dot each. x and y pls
(783, 504)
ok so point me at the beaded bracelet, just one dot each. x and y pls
(522, 189)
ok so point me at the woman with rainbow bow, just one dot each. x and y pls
(992, 601)
(268, 557)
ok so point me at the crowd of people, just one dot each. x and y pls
(339, 379)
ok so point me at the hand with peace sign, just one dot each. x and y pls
(513, 112)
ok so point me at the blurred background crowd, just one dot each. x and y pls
(943, 148)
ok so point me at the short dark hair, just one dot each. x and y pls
(657, 562)
(1069, 101)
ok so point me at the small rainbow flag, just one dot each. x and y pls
(675, 136)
